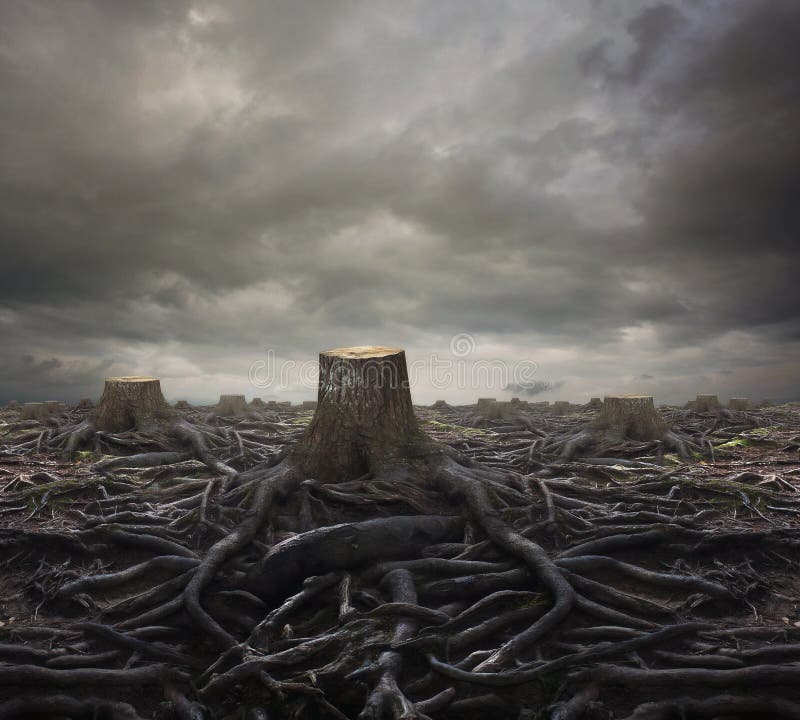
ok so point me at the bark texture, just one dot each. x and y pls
(36, 411)
(706, 403)
(739, 404)
(561, 407)
(231, 406)
(364, 416)
(632, 416)
(130, 402)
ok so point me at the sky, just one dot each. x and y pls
(547, 199)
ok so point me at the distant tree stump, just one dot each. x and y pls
(40, 411)
(767, 402)
(309, 405)
(85, 404)
(231, 406)
(12, 404)
(561, 407)
(595, 403)
(440, 405)
(482, 402)
(632, 416)
(182, 405)
(257, 402)
(499, 410)
(739, 404)
(364, 415)
(130, 402)
(706, 403)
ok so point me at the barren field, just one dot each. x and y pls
(524, 574)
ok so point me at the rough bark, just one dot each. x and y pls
(364, 417)
(706, 403)
(561, 407)
(40, 411)
(498, 410)
(632, 416)
(130, 402)
(231, 406)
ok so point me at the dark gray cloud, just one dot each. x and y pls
(537, 387)
(185, 186)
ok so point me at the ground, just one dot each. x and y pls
(687, 566)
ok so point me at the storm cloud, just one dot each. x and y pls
(607, 190)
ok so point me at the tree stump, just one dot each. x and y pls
(309, 405)
(561, 407)
(85, 404)
(130, 402)
(40, 411)
(483, 402)
(739, 404)
(231, 406)
(595, 403)
(498, 410)
(182, 405)
(364, 416)
(257, 402)
(440, 405)
(13, 404)
(632, 416)
(706, 403)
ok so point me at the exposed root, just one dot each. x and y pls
(440, 582)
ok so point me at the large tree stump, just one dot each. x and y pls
(561, 407)
(231, 406)
(498, 410)
(40, 411)
(130, 402)
(364, 416)
(595, 403)
(739, 404)
(632, 416)
(706, 403)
